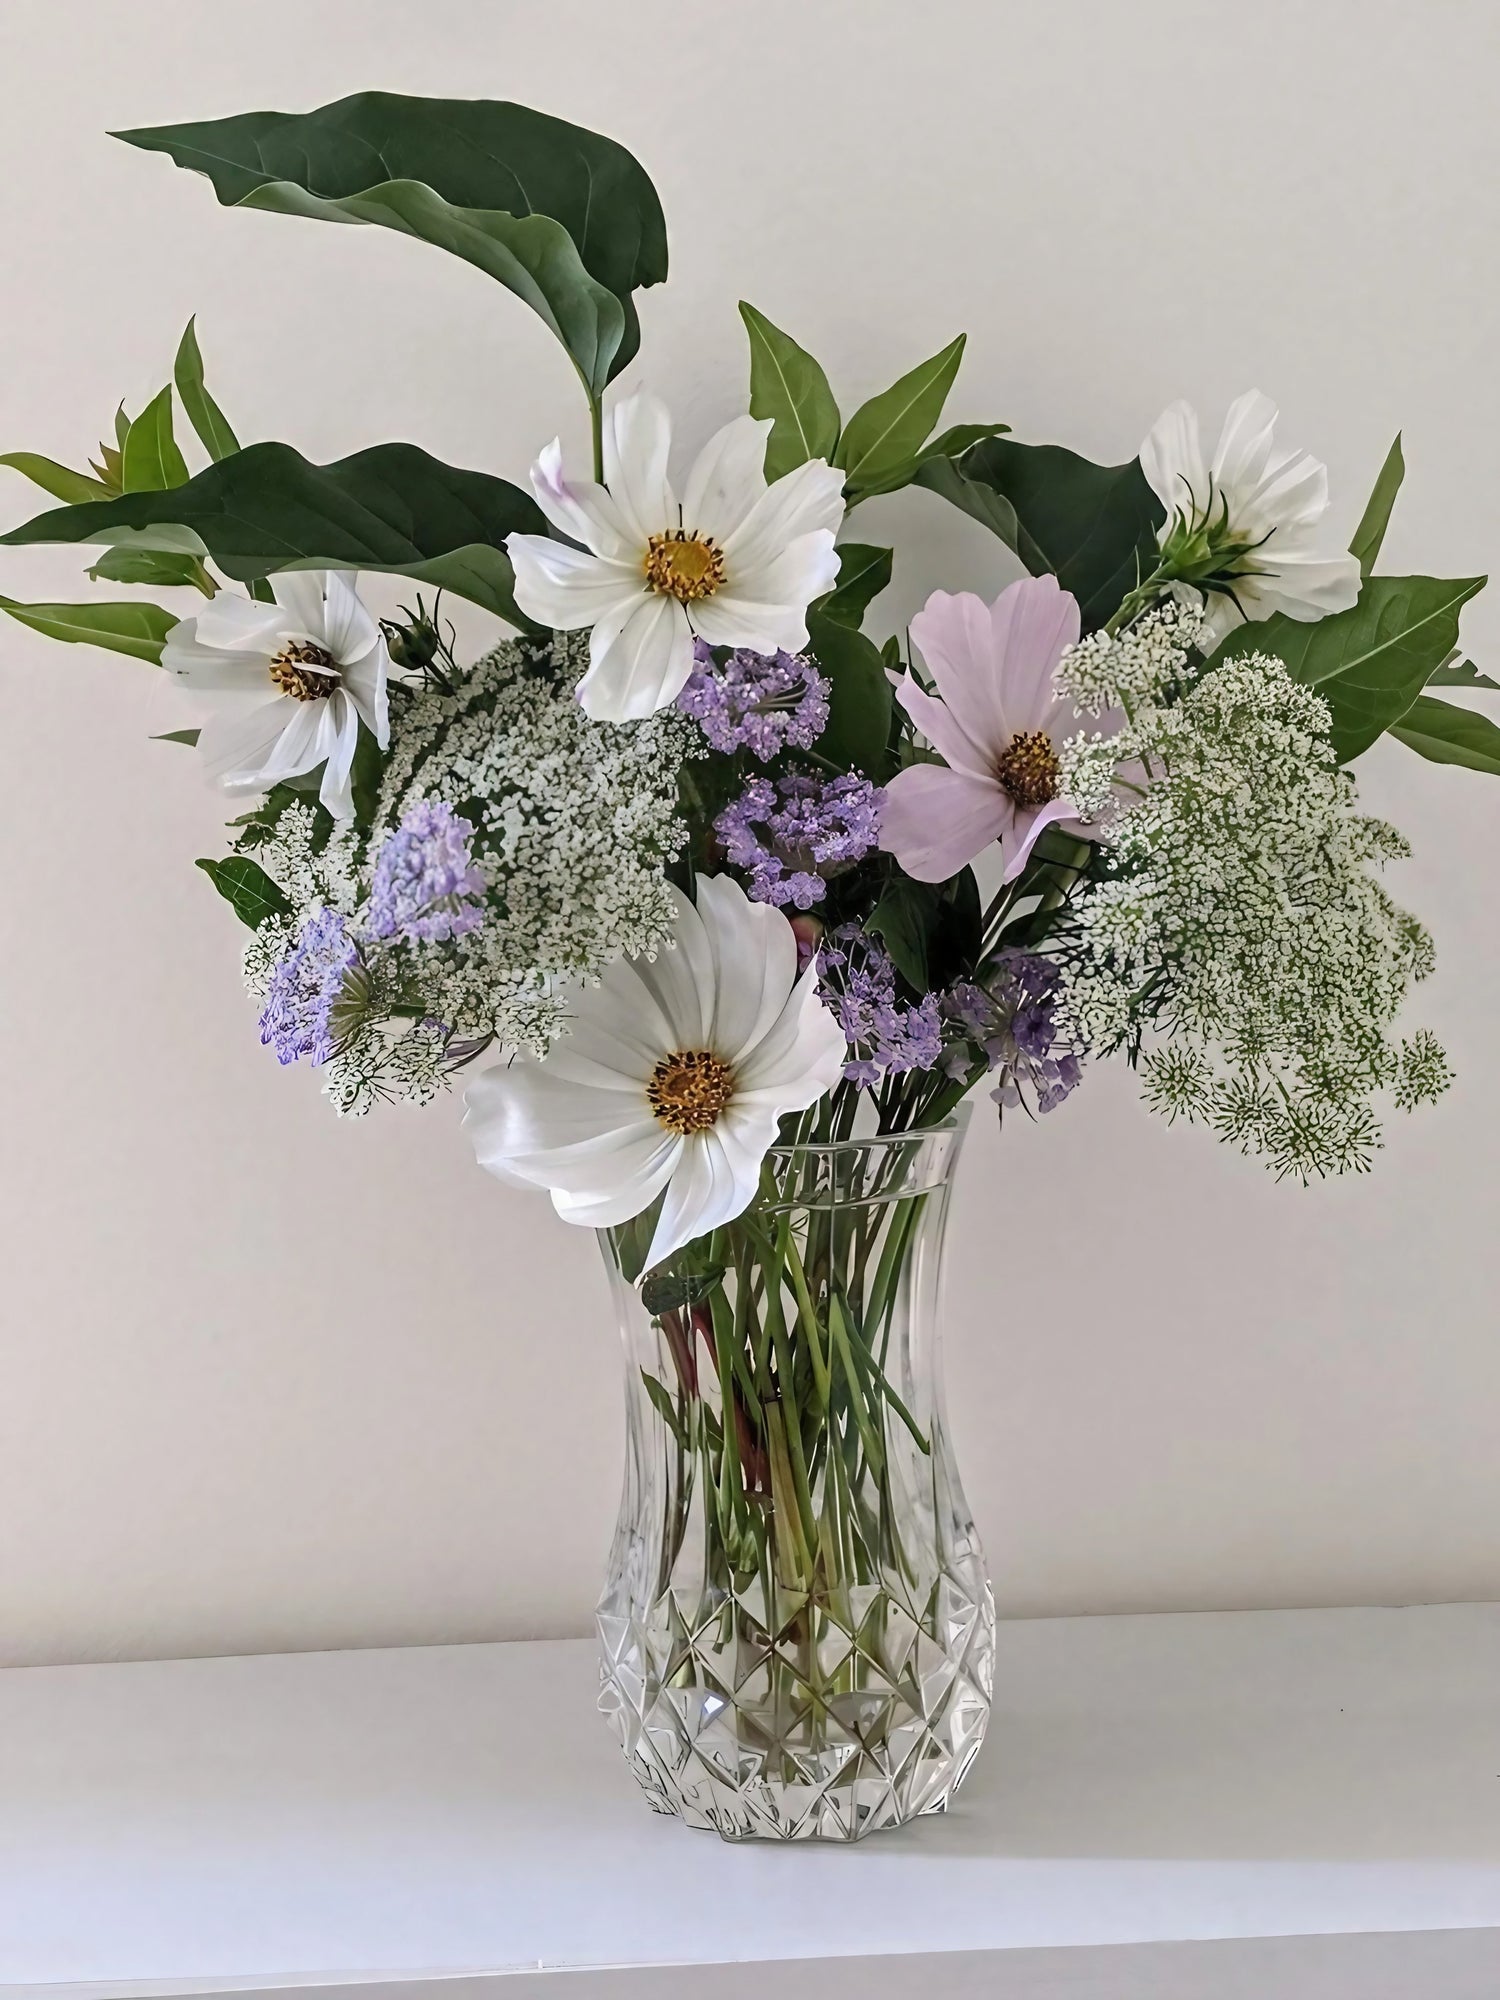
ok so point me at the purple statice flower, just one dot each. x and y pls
(791, 834)
(426, 879)
(886, 1036)
(317, 993)
(760, 702)
(1008, 1018)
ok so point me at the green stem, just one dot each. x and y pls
(596, 432)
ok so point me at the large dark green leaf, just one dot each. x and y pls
(882, 440)
(864, 571)
(203, 413)
(859, 702)
(1093, 527)
(789, 387)
(564, 218)
(266, 508)
(905, 920)
(136, 629)
(1449, 734)
(1371, 662)
(1376, 518)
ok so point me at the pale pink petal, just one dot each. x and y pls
(1028, 825)
(935, 821)
(955, 636)
(1033, 622)
(941, 728)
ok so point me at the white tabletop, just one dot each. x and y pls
(275, 1821)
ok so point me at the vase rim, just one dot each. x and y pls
(956, 1122)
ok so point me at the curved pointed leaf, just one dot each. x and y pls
(59, 480)
(150, 460)
(1457, 673)
(1371, 662)
(566, 219)
(789, 387)
(1093, 527)
(1448, 734)
(883, 438)
(1376, 518)
(864, 571)
(267, 508)
(203, 413)
(136, 629)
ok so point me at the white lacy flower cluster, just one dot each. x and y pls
(574, 821)
(1239, 943)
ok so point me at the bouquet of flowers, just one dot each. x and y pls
(690, 870)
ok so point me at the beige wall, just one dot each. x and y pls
(271, 1380)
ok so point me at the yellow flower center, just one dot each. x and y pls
(305, 672)
(1028, 768)
(688, 1090)
(684, 566)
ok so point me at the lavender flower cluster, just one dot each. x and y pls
(791, 834)
(1009, 1016)
(760, 702)
(886, 1036)
(425, 889)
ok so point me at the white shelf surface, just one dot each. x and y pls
(1329, 1779)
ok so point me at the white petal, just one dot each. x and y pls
(1244, 446)
(232, 624)
(754, 954)
(803, 570)
(569, 588)
(727, 478)
(520, 1111)
(350, 633)
(303, 744)
(637, 440)
(651, 1166)
(365, 684)
(342, 725)
(804, 501)
(581, 508)
(725, 620)
(1304, 587)
(236, 743)
(644, 665)
(704, 1192)
(801, 1054)
(1172, 459)
(681, 979)
(299, 592)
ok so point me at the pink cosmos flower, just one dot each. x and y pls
(1000, 725)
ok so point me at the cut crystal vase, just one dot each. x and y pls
(797, 1627)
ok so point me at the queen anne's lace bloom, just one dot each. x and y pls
(470, 928)
(1239, 944)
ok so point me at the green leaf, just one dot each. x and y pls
(666, 1409)
(669, 1291)
(863, 573)
(1376, 518)
(562, 217)
(150, 461)
(958, 438)
(789, 387)
(148, 566)
(859, 700)
(188, 736)
(63, 484)
(1091, 526)
(1456, 673)
(883, 438)
(245, 884)
(905, 920)
(136, 629)
(1371, 662)
(266, 508)
(1449, 734)
(203, 413)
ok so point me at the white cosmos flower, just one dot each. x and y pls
(294, 681)
(673, 1075)
(736, 562)
(1254, 509)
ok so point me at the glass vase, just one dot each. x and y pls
(797, 1627)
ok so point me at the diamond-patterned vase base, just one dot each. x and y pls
(839, 1722)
